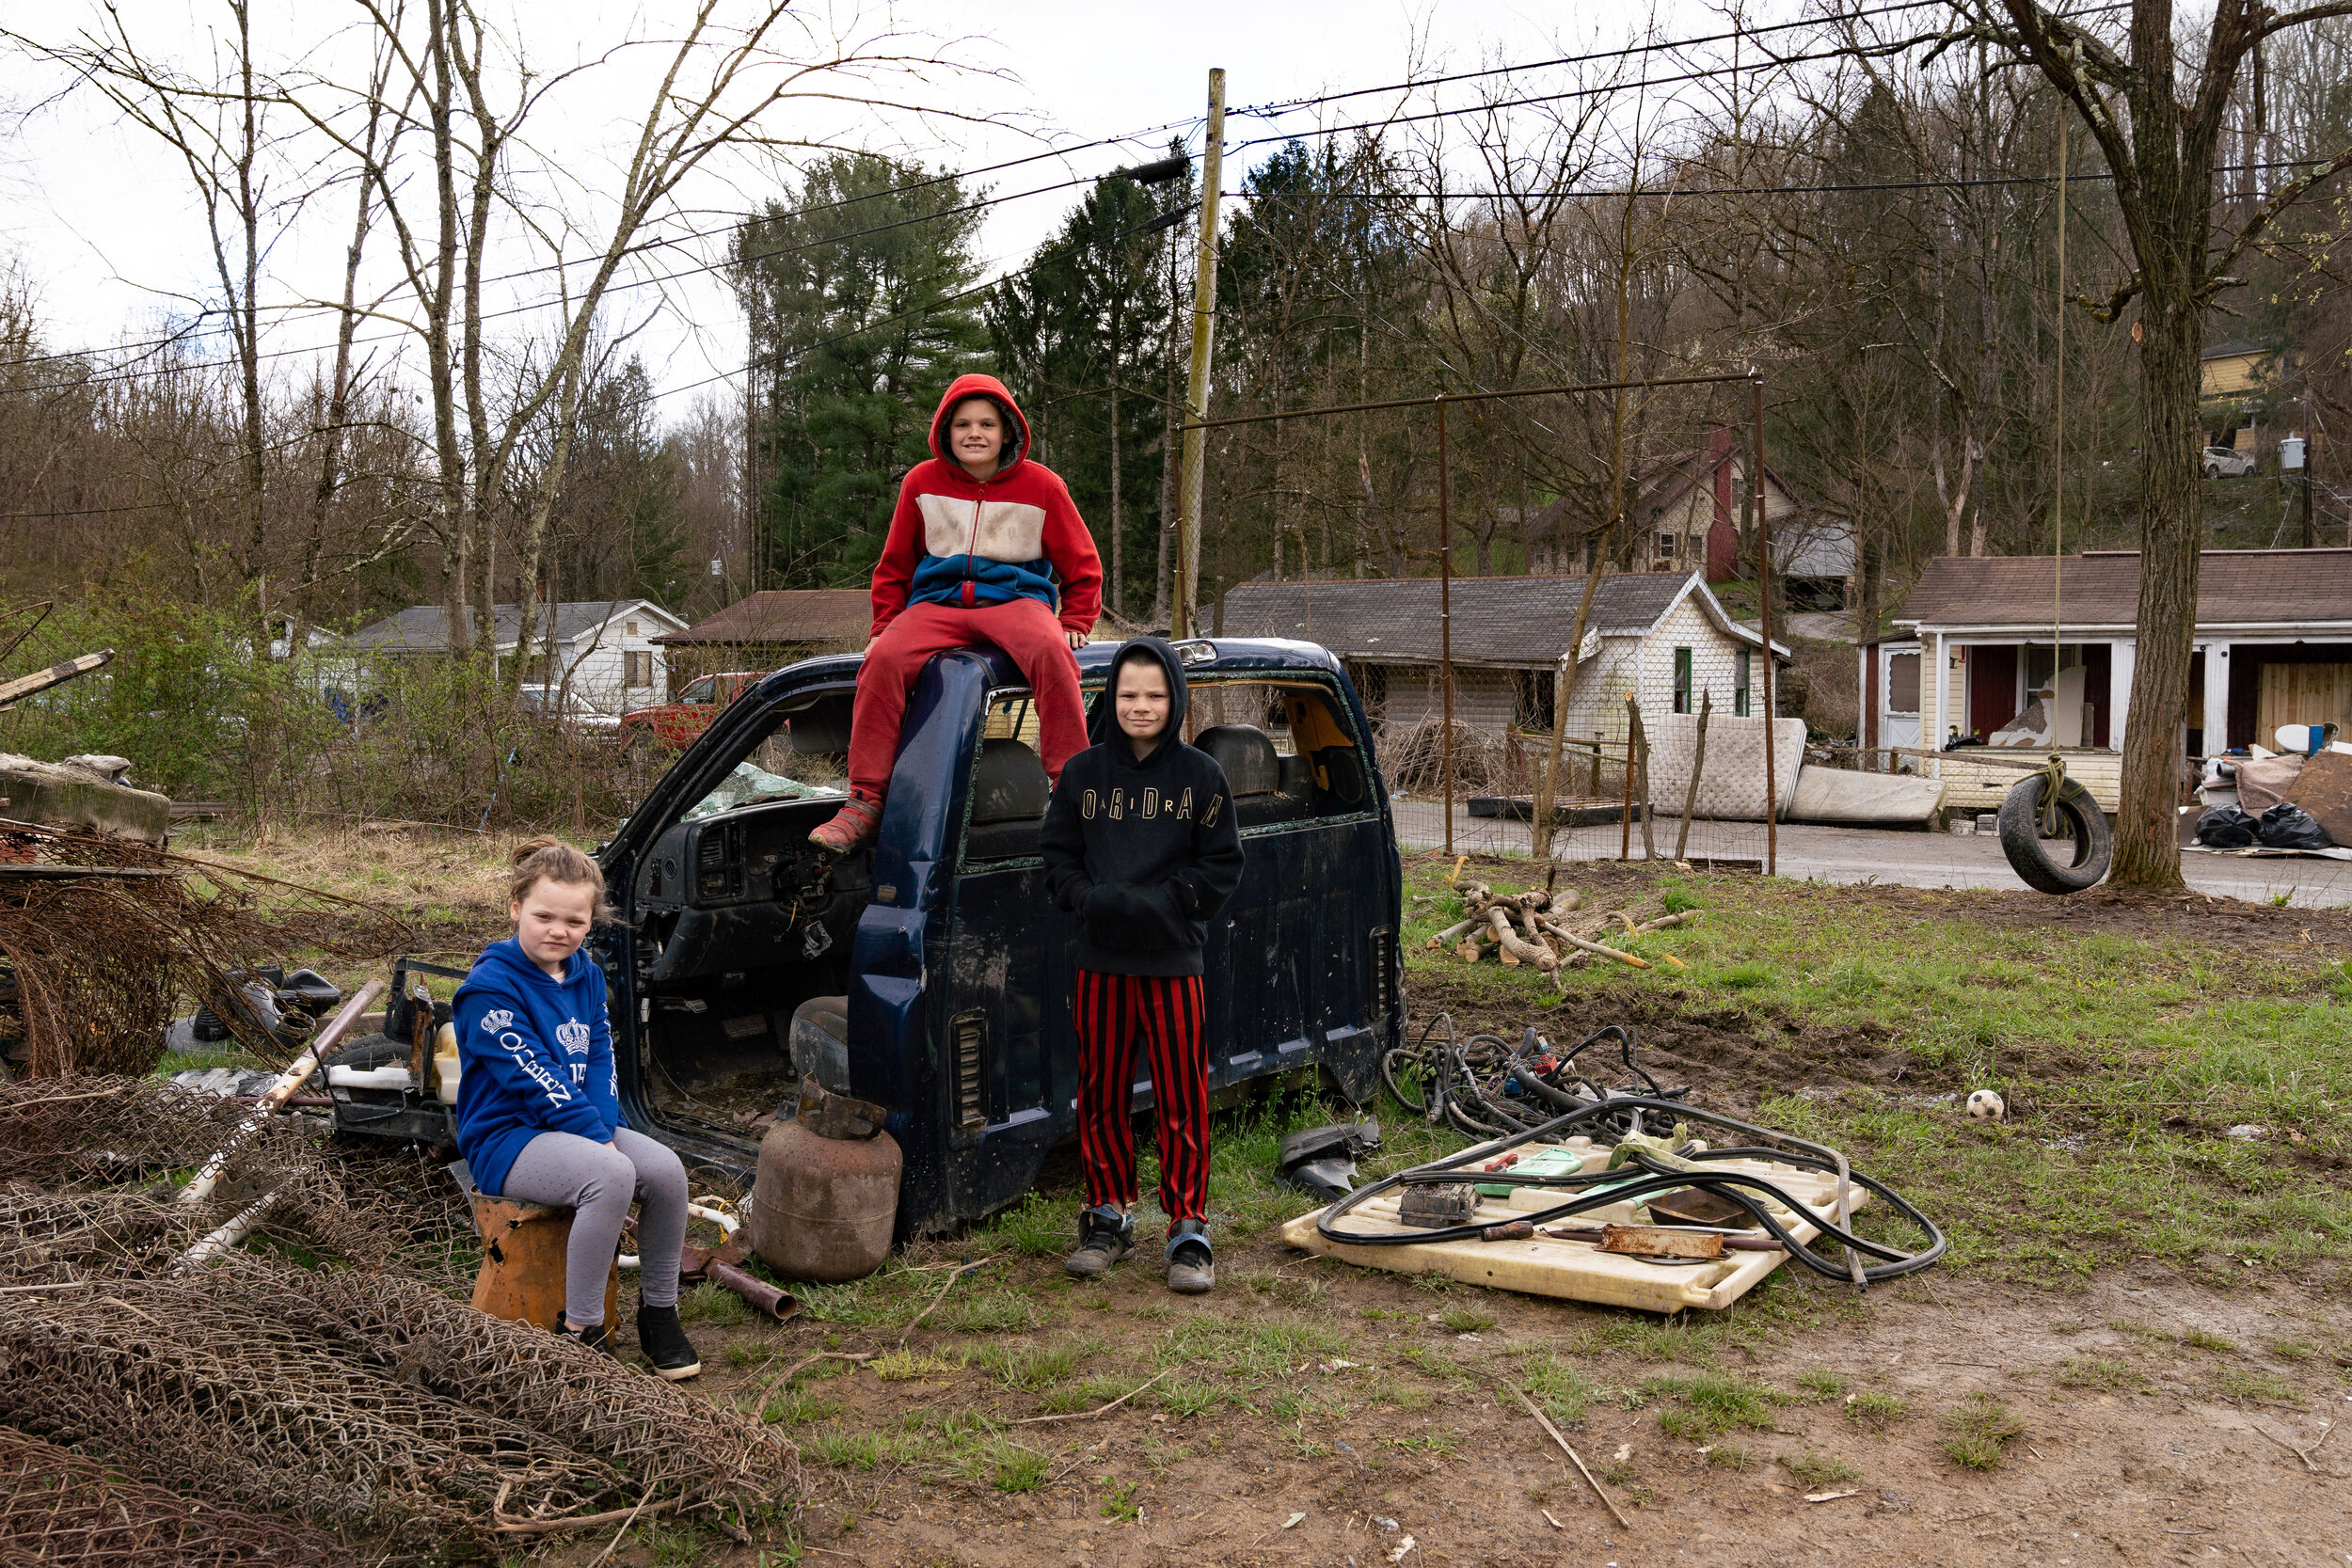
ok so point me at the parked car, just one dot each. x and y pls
(2228, 463)
(676, 722)
(930, 973)
(570, 709)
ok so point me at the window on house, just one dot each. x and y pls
(1742, 674)
(1682, 680)
(1902, 683)
(637, 669)
(628, 628)
(1666, 544)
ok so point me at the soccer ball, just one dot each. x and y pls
(1984, 1106)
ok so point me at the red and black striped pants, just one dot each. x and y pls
(1110, 1010)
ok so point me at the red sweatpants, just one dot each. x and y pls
(1023, 627)
(1110, 1010)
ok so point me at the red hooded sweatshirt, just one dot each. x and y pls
(955, 540)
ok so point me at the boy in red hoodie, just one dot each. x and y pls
(986, 546)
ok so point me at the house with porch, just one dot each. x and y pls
(2273, 646)
(1660, 637)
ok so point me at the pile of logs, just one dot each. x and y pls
(1547, 931)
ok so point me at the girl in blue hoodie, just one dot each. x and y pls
(539, 1103)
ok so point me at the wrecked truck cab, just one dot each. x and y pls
(930, 973)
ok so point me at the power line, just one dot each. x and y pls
(1184, 125)
(121, 373)
(1283, 107)
(1743, 190)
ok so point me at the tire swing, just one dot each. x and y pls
(2054, 833)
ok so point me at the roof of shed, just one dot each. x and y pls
(424, 628)
(2100, 588)
(1519, 621)
(786, 616)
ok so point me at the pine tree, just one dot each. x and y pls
(1081, 339)
(854, 335)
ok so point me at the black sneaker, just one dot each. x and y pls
(1105, 1237)
(594, 1336)
(1191, 1264)
(666, 1344)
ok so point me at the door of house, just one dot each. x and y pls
(1992, 688)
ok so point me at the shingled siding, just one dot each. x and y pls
(1483, 699)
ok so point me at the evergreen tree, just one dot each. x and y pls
(854, 335)
(1082, 341)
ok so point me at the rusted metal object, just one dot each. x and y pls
(826, 1198)
(1660, 1240)
(764, 1298)
(1509, 1231)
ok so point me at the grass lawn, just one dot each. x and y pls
(2124, 1271)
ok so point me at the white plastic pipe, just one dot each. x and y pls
(288, 1082)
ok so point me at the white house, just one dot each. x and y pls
(1660, 637)
(607, 649)
(2273, 646)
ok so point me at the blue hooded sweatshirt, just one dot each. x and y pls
(535, 1056)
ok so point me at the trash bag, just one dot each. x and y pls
(2226, 828)
(1321, 1160)
(2288, 826)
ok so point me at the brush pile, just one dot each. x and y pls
(100, 936)
(1412, 758)
(359, 1395)
(1547, 931)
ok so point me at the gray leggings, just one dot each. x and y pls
(567, 1171)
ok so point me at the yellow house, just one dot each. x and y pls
(2235, 369)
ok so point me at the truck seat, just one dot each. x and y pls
(1253, 770)
(1008, 798)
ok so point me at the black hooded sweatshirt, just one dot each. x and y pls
(1144, 852)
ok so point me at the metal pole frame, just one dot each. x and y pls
(1764, 607)
(1445, 612)
(1189, 502)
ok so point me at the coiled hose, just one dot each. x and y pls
(1751, 1192)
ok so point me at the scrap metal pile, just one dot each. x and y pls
(360, 1395)
(99, 934)
(1592, 1182)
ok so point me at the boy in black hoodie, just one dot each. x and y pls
(1140, 844)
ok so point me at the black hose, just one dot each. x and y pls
(1733, 1186)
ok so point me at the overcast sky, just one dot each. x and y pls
(102, 222)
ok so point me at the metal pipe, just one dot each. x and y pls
(1764, 582)
(1445, 614)
(1474, 397)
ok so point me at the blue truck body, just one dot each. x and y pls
(939, 945)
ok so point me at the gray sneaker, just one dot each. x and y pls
(1105, 1237)
(1191, 1264)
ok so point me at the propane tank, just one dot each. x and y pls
(826, 1198)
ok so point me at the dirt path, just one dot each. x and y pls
(2139, 1409)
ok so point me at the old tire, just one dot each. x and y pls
(2075, 859)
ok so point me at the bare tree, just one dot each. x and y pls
(2158, 121)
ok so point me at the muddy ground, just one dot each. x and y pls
(2150, 1419)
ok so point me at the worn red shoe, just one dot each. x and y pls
(857, 821)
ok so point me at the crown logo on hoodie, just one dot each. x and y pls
(497, 1018)
(573, 1037)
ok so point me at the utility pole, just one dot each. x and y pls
(1186, 613)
